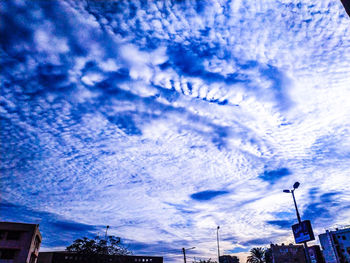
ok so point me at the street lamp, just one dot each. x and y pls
(295, 186)
(217, 239)
(106, 232)
(184, 252)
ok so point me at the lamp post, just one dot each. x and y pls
(217, 239)
(184, 252)
(106, 232)
(295, 186)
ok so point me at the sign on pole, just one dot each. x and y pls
(303, 232)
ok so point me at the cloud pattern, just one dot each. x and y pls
(164, 119)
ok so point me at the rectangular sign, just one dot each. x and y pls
(303, 232)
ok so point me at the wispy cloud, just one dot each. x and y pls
(164, 119)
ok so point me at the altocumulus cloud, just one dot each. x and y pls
(123, 113)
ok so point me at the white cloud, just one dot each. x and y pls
(131, 153)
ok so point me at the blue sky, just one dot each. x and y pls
(164, 119)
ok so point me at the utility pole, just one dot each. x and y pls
(106, 232)
(217, 239)
(295, 186)
(184, 252)
(299, 221)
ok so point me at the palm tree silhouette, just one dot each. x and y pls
(257, 255)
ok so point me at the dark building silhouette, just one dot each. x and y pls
(336, 245)
(19, 242)
(346, 4)
(228, 259)
(315, 254)
(288, 254)
(295, 254)
(69, 257)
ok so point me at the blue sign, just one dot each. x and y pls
(303, 232)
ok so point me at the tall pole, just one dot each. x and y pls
(296, 207)
(299, 220)
(217, 239)
(184, 252)
(106, 232)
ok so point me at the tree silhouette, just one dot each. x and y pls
(257, 255)
(97, 246)
(206, 261)
(268, 255)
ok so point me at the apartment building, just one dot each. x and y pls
(19, 242)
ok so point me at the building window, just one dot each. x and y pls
(344, 237)
(7, 254)
(2, 234)
(13, 235)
